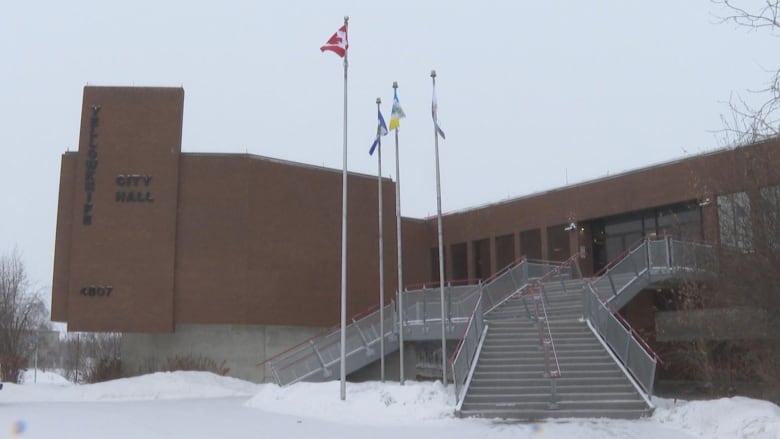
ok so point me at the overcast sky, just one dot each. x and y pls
(531, 94)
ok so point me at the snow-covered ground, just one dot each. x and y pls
(203, 405)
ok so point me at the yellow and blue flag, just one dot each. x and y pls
(397, 113)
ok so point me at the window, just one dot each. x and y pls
(558, 242)
(531, 244)
(505, 251)
(681, 222)
(460, 268)
(734, 220)
(481, 250)
(435, 264)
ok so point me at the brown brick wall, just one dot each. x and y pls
(260, 242)
(60, 281)
(241, 239)
(127, 247)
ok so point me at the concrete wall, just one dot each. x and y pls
(714, 324)
(241, 347)
(373, 371)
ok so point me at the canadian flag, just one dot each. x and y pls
(338, 43)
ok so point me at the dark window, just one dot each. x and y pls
(505, 251)
(435, 265)
(481, 258)
(680, 222)
(531, 244)
(558, 243)
(734, 220)
(460, 267)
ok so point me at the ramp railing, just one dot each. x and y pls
(468, 349)
(645, 262)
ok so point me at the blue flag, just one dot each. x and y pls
(381, 130)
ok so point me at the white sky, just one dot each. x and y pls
(529, 92)
(202, 405)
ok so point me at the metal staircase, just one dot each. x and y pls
(578, 358)
(318, 358)
(533, 343)
(513, 380)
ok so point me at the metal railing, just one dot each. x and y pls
(646, 261)
(551, 364)
(317, 355)
(468, 349)
(504, 285)
(627, 345)
(314, 358)
(512, 279)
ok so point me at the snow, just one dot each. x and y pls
(204, 405)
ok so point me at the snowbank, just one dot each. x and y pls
(371, 403)
(723, 418)
(161, 385)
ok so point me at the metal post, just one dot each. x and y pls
(398, 242)
(525, 270)
(343, 387)
(381, 254)
(441, 242)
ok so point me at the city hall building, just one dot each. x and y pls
(236, 257)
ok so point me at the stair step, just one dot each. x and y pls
(565, 366)
(544, 396)
(564, 380)
(607, 405)
(534, 415)
(530, 373)
(562, 388)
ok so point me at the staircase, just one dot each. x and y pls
(513, 380)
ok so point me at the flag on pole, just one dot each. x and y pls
(397, 112)
(381, 130)
(338, 43)
(434, 108)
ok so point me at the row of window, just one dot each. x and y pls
(736, 222)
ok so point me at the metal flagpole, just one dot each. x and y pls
(441, 246)
(381, 252)
(344, 241)
(398, 242)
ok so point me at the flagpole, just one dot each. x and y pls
(441, 248)
(344, 241)
(398, 242)
(381, 253)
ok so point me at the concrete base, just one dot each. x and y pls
(237, 348)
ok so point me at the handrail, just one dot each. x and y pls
(454, 355)
(436, 284)
(476, 318)
(322, 333)
(611, 264)
(626, 325)
(544, 342)
(554, 272)
(614, 263)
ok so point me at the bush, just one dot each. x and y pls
(11, 367)
(104, 369)
(186, 362)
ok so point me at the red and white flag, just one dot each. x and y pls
(338, 43)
